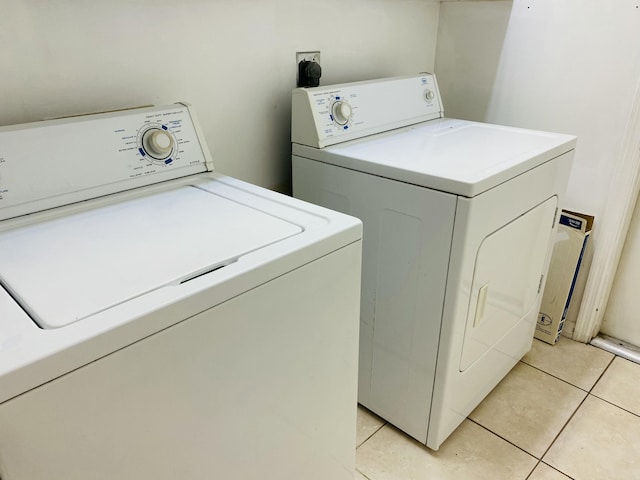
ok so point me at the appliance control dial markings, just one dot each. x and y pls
(336, 111)
(341, 112)
(157, 144)
(429, 95)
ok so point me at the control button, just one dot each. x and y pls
(341, 112)
(429, 95)
(157, 143)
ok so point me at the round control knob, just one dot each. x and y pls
(429, 95)
(341, 112)
(157, 143)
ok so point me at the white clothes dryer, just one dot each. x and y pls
(458, 220)
(159, 320)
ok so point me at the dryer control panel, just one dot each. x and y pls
(56, 162)
(324, 116)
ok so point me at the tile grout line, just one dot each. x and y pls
(551, 467)
(539, 460)
(365, 441)
(534, 469)
(359, 471)
(610, 403)
(603, 372)
(575, 411)
(506, 440)
(368, 438)
(559, 471)
(560, 433)
(567, 381)
(600, 378)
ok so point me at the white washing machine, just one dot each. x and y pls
(161, 321)
(458, 219)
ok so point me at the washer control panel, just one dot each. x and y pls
(323, 116)
(71, 159)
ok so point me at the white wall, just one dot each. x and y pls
(233, 60)
(622, 317)
(570, 66)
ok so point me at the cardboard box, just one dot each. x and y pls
(568, 250)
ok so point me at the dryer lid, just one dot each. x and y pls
(454, 156)
(68, 268)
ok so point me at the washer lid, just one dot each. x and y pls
(455, 156)
(71, 267)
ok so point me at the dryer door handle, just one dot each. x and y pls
(482, 301)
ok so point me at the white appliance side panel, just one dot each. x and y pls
(507, 279)
(406, 242)
(68, 268)
(263, 384)
(457, 393)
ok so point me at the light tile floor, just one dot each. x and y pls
(569, 411)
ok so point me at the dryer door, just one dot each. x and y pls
(507, 280)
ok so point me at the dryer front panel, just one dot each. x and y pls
(513, 223)
(507, 278)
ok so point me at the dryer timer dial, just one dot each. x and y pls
(341, 112)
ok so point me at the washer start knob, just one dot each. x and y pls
(158, 143)
(341, 112)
